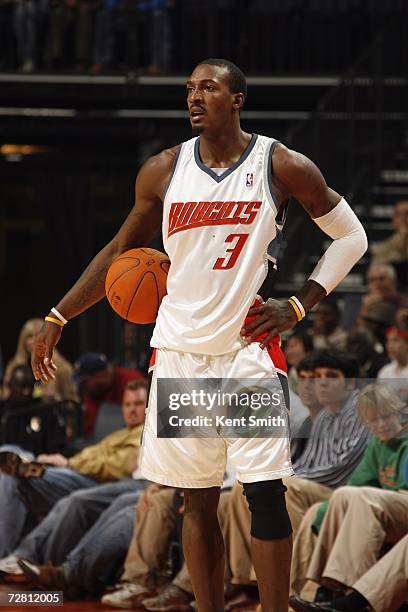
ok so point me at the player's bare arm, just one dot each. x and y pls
(294, 175)
(137, 230)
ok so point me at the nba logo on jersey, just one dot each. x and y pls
(250, 179)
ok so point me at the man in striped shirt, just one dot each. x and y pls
(336, 444)
(337, 440)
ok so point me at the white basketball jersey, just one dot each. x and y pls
(216, 232)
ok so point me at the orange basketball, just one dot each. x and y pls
(136, 284)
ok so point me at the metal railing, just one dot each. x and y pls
(360, 122)
(355, 133)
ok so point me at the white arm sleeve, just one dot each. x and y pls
(348, 246)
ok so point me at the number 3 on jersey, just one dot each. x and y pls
(226, 263)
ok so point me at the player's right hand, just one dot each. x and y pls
(41, 356)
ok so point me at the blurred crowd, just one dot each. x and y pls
(79, 517)
(158, 36)
(86, 35)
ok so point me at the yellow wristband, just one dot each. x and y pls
(296, 309)
(52, 320)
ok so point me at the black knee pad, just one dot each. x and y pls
(266, 501)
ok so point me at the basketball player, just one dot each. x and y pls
(218, 196)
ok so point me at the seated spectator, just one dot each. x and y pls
(21, 388)
(100, 382)
(63, 388)
(395, 248)
(382, 287)
(92, 565)
(153, 526)
(96, 559)
(397, 349)
(377, 318)
(326, 330)
(338, 437)
(361, 344)
(30, 487)
(396, 372)
(336, 444)
(297, 345)
(381, 467)
(308, 396)
(144, 568)
(384, 586)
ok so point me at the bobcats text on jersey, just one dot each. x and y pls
(186, 215)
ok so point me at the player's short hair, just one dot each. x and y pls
(237, 79)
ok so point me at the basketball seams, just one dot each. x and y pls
(137, 288)
(157, 291)
(122, 273)
(136, 296)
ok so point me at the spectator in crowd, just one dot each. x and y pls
(384, 586)
(382, 287)
(104, 39)
(25, 26)
(377, 318)
(21, 387)
(70, 34)
(100, 382)
(308, 396)
(297, 345)
(153, 526)
(395, 248)
(92, 565)
(160, 51)
(397, 349)
(396, 372)
(63, 386)
(29, 487)
(336, 444)
(337, 439)
(144, 568)
(94, 562)
(371, 511)
(326, 330)
(382, 466)
(361, 344)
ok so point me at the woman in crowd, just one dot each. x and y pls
(63, 388)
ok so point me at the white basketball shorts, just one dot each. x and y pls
(200, 462)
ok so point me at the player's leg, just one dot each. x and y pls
(203, 547)
(271, 542)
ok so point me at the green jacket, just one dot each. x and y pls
(382, 466)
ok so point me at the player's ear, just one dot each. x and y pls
(238, 101)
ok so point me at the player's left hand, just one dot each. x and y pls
(272, 318)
